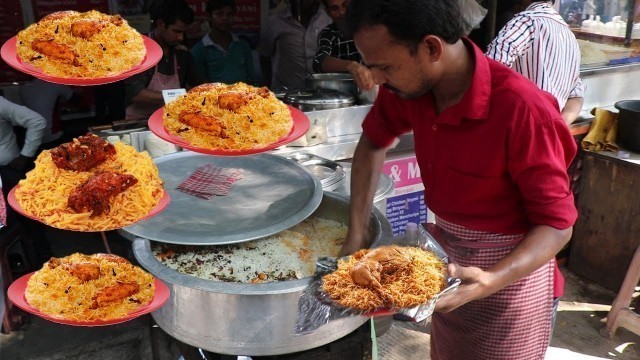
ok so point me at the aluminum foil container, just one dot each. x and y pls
(315, 308)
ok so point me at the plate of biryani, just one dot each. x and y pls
(220, 119)
(385, 279)
(89, 184)
(88, 290)
(81, 48)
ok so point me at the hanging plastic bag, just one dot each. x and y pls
(472, 15)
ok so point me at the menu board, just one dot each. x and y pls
(42, 8)
(11, 21)
(406, 204)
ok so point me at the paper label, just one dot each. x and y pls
(172, 94)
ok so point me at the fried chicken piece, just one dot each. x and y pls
(96, 193)
(82, 153)
(391, 258)
(60, 52)
(84, 271)
(233, 100)
(86, 28)
(114, 293)
(59, 15)
(367, 273)
(112, 258)
(204, 122)
(264, 92)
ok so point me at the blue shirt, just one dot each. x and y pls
(227, 66)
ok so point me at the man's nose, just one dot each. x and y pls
(181, 37)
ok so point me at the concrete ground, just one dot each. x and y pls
(576, 336)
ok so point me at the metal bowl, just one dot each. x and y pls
(247, 319)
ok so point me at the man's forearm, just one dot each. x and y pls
(332, 64)
(149, 97)
(365, 172)
(572, 109)
(540, 245)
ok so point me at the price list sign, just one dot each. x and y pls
(406, 204)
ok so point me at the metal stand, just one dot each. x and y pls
(105, 242)
(620, 314)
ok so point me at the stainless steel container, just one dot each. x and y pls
(319, 99)
(342, 82)
(383, 191)
(247, 319)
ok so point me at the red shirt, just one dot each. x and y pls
(497, 161)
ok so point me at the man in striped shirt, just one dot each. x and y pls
(337, 53)
(538, 43)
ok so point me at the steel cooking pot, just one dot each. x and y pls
(628, 135)
(247, 319)
(318, 99)
(342, 82)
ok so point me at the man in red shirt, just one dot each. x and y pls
(493, 152)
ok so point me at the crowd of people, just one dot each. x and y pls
(479, 126)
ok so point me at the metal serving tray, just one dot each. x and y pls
(274, 194)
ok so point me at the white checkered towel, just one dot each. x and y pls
(209, 181)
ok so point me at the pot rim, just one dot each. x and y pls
(143, 253)
(620, 105)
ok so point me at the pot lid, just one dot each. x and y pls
(319, 97)
(274, 194)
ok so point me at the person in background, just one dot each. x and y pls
(43, 97)
(170, 20)
(288, 44)
(493, 152)
(221, 55)
(538, 43)
(337, 52)
(16, 161)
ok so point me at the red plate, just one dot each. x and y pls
(10, 56)
(16, 295)
(300, 127)
(13, 202)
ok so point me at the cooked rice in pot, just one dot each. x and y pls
(287, 255)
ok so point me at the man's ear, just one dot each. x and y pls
(433, 47)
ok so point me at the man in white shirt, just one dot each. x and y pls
(288, 43)
(15, 115)
(538, 44)
(42, 97)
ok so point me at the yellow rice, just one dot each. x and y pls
(113, 50)
(57, 293)
(44, 192)
(261, 122)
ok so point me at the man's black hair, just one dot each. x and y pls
(214, 5)
(170, 11)
(408, 21)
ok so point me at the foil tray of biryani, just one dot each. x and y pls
(316, 308)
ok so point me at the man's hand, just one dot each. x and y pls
(362, 75)
(20, 163)
(475, 285)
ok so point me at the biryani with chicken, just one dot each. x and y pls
(216, 116)
(73, 44)
(89, 184)
(87, 288)
(386, 277)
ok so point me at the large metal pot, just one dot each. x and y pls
(336, 81)
(319, 99)
(342, 82)
(628, 135)
(247, 319)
